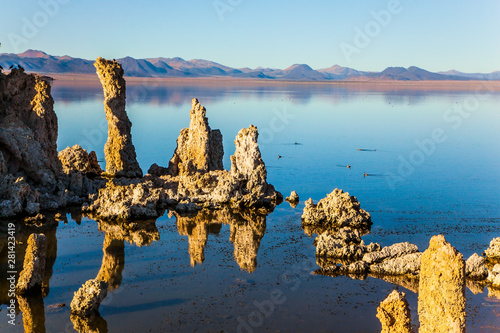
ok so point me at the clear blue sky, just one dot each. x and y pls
(435, 35)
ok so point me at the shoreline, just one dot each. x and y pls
(447, 85)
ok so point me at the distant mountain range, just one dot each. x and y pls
(41, 62)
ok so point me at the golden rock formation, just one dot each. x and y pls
(119, 152)
(394, 314)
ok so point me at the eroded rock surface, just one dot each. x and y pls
(338, 209)
(33, 271)
(395, 250)
(345, 244)
(493, 251)
(475, 267)
(74, 159)
(87, 299)
(293, 199)
(199, 148)
(119, 152)
(441, 298)
(394, 314)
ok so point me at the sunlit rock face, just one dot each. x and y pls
(199, 148)
(394, 314)
(246, 231)
(76, 159)
(337, 210)
(119, 152)
(441, 298)
(87, 299)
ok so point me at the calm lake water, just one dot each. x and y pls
(432, 161)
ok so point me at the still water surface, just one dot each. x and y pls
(431, 160)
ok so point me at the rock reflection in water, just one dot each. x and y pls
(247, 229)
(33, 310)
(93, 324)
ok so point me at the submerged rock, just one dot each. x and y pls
(394, 314)
(33, 271)
(337, 210)
(475, 267)
(199, 148)
(441, 298)
(119, 152)
(87, 299)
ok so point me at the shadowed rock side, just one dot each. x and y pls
(119, 152)
(247, 229)
(29, 167)
(441, 298)
(394, 314)
(199, 148)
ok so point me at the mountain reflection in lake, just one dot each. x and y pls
(211, 271)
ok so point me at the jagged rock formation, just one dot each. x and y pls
(293, 199)
(388, 252)
(441, 299)
(191, 190)
(33, 271)
(199, 148)
(29, 167)
(124, 199)
(74, 159)
(493, 251)
(402, 264)
(119, 152)
(394, 314)
(87, 299)
(337, 210)
(494, 276)
(345, 244)
(475, 267)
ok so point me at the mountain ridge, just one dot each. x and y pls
(43, 63)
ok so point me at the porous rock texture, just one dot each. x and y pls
(338, 209)
(28, 143)
(475, 267)
(199, 148)
(394, 314)
(119, 152)
(345, 244)
(395, 250)
(293, 199)
(31, 277)
(87, 299)
(441, 298)
(493, 251)
(74, 159)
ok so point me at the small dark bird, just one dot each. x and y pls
(365, 174)
(279, 156)
(349, 166)
(11, 66)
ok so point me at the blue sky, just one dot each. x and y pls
(435, 35)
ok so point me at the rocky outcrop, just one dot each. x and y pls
(87, 299)
(493, 251)
(33, 271)
(394, 314)
(475, 267)
(124, 199)
(441, 299)
(388, 252)
(29, 167)
(293, 199)
(345, 244)
(199, 148)
(337, 210)
(76, 159)
(119, 152)
(494, 276)
(406, 264)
